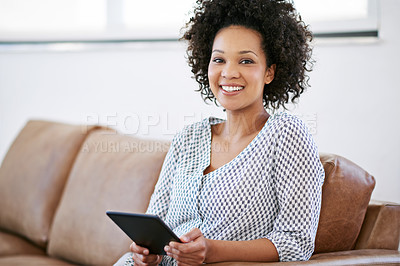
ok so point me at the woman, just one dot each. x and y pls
(247, 188)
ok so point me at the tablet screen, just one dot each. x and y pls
(145, 230)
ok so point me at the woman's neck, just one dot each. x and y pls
(243, 124)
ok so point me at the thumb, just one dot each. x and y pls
(191, 236)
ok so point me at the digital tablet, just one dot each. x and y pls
(145, 230)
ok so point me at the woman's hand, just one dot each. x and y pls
(141, 256)
(193, 250)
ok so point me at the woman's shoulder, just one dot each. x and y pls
(285, 118)
(283, 121)
(287, 128)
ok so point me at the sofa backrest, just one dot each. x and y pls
(111, 172)
(33, 175)
(345, 196)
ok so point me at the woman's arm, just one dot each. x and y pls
(298, 183)
(252, 250)
(159, 203)
(196, 249)
(160, 199)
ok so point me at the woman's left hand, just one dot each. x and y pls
(192, 251)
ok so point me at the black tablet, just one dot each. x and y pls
(145, 230)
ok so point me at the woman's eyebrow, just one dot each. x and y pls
(248, 51)
(241, 52)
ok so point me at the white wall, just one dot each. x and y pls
(146, 89)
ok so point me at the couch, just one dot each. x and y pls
(58, 180)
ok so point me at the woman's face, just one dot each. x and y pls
(238, 69)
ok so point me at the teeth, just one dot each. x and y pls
(232, 88)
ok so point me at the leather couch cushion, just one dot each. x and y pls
(11, 244)
(32, 260)
(339, 258)
(112, 172)
(381, 227)
(33, 174)
(345, 196)
(357, 257)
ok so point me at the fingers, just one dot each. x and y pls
(192, 235)
(138, 249)
(146, 260)
(183, 259)
(141, 256)
(186, 251)
(180, 249)
(191, 252)
(196, 243)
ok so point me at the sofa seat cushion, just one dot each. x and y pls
(345, 196)
(381, 227)
(24, 260)
(111, 172)
(33, 175)
(11, 244)
(358, 257)
(340, 258)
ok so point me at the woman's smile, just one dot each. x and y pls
(231, 88)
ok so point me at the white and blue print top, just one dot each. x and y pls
(272, 189)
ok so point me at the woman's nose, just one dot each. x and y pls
(230, 71)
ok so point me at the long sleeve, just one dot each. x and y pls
(160, 199)
(298, 178)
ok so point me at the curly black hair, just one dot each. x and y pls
(285, 41)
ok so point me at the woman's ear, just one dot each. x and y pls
(270, 74)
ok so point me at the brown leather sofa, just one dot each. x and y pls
(58, 180)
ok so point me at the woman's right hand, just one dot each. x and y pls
(142, 256)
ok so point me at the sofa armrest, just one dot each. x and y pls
(381, 227)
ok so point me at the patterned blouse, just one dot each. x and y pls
(272, 189)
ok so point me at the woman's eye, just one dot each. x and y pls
(218, 60)
(246, 61)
